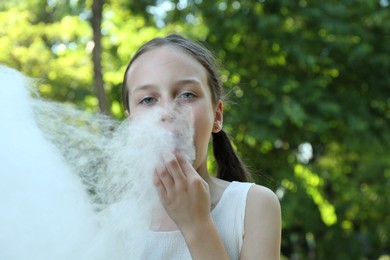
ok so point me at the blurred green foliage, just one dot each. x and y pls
(309, 96)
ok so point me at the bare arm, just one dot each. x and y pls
(186, 198)
(262, 225)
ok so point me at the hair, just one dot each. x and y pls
(230, 166)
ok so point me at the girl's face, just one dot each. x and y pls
(167, 75)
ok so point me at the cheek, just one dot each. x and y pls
(138, 110)
(203, 127)
(132, 107)
(202, 137)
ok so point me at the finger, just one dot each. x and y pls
(157, 179)
(173, 167)
(162, 192)
(165, 178)
(185, 165)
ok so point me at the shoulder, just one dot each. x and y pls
(262, 198)
(262, 224)
(262, 207)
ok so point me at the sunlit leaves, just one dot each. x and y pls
(310, 72)
(313, 184)
(296, 72)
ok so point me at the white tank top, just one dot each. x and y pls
(228, 216)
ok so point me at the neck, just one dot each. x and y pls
(204, 173)
(216, 186)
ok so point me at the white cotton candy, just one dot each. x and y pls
(127, 186)
(75, 185)
(45, 213)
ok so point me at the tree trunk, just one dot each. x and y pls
(96, 21)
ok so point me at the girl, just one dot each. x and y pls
(223, 217)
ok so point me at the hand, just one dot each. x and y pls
(183, 193)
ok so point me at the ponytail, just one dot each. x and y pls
(230, 166)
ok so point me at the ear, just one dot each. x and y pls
(218, 117)
(127, 114)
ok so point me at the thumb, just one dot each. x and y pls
(185, 164)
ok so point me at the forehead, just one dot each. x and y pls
(166, 62)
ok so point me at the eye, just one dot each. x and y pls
(187, 95)
(148, 100)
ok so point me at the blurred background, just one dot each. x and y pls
(309, 95)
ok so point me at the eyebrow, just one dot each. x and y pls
(143, 87)
(188, 82)
(177, 83)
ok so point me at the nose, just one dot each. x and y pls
(167, 116)
(167, 106)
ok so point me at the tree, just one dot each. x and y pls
(53, 42)
(308, 93)
(50, 43)
(310, 76)
(96, 20)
